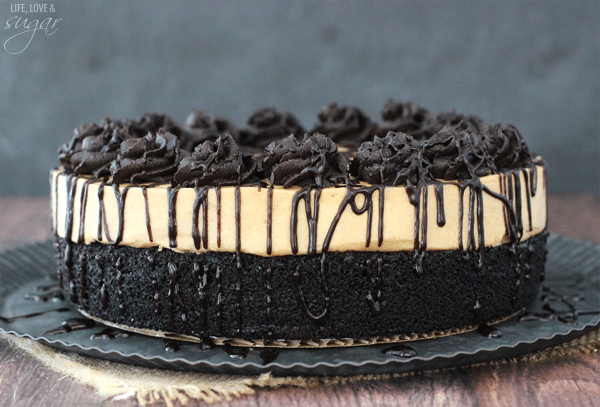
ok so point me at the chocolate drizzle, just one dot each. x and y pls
(238, 309)
(201, 200)
(350, 199)
(269, 221)
(312, 216)
(173, 293)
(298, 282)
(238, 226)
(172, 198)
(118, 266)
(269, 275)
(375, 302)
(82, 210)
(147, 211)
(219, 301)
(202, 283)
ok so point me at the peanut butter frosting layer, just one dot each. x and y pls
(276, 221)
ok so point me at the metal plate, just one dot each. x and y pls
(569, 302)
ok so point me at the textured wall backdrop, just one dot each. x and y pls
(533, 64)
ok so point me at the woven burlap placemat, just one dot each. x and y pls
(149, 386)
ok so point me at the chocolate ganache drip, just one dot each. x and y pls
(93, 147)
(267, 125)
(201, 127)
(314, 161)
(390, 160)
(153, 158)
(218, 163)
(408, 118)
(346, 125)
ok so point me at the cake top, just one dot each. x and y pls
(409, 145)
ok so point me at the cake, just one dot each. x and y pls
(416, 226)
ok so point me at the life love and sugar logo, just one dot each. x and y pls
(27, 21)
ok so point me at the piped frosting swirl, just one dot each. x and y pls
(314, 160)
(218, 162)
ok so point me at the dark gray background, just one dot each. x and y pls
(533, 64)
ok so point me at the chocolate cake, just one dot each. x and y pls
(426, 225)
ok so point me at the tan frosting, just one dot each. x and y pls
(350, 233)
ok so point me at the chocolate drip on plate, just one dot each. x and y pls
(400, 350)
(108, 333)
(73, 324)
(488, 331)
(236, 352)
(268, 355)
(9, 320)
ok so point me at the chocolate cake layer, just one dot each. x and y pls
(336, 295)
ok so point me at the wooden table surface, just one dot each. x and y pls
(573, 381)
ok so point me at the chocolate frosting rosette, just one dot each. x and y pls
(153, 158)
(451, 118)
(218, 163)
(93, 148)
(507, 147)
(201, 127)
(346, 125)
(390, 160)
(408, 118)
(312, 161)
(267, 125)
(152, 123)
(458, 153)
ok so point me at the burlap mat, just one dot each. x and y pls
(148, 386)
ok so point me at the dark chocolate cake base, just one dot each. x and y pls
(337, 295)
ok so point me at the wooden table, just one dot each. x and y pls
(573, 381)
